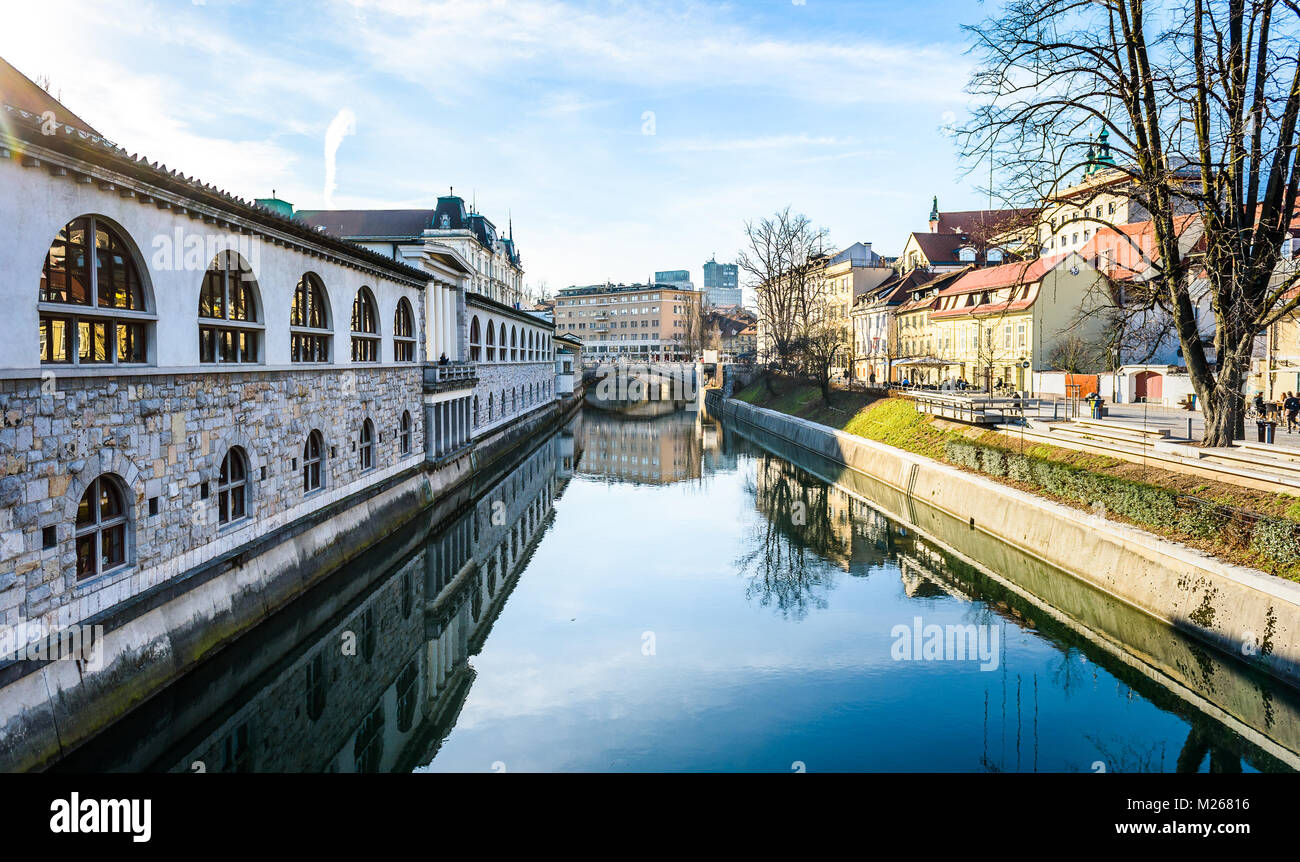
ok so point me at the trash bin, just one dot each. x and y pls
(1266, 430)
(1094, 406)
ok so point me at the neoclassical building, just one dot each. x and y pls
(499, 358)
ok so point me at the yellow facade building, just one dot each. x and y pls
(1002, 323)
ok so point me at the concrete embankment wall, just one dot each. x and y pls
(48, 709)
(1216, 602)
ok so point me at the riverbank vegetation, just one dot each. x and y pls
(1239, 525)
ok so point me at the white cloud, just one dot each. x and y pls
(644, 45)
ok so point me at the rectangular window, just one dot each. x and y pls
(92, 341)
(130, 342)
(56, 334)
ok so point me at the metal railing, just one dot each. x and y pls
(978, 410)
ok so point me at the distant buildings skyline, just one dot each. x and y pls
(722, 283)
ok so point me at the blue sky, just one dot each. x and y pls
(621, 137)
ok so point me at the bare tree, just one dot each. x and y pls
(1201, 98)
(822, 343)
(1074, 354)
(776, 261)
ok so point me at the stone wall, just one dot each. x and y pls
(528, 385)
(165, 438)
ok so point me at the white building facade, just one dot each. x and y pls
(184, 373)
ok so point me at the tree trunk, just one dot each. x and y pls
(1223, 406)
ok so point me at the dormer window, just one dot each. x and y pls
(966, 254)
(994, 255)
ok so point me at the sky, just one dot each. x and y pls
(618, 138)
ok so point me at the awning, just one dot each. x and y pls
(925, 361)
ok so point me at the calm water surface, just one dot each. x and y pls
(666, 595)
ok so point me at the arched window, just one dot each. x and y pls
(309, 332)
(232, 487)
(366, 446)
(404, 432)
(92, 300)
(229, 295)
(313, 459)
(491, 342)
(475, 415)
(101, 527)
(475, 348)
(489, 407)
(365, 328)
(403, 332)
(514, 344)
(503, 403)
(501, 333)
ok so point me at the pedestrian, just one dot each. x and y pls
(1259, 404)
(1291, 404)
(442, 360)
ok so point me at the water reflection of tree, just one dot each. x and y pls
(790, 545)
(1119, 754)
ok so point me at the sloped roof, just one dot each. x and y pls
(937, 284)
(19, 91)
(895, 289)
(370, 224)
(1020, 272)
(942, 248)
(453, 207)
(978, 309)
(985, 223)
(1128, 251)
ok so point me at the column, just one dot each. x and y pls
(435, 321)
(449, 323)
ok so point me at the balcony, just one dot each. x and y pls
(449, 377)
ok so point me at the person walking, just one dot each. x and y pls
(1291, 404)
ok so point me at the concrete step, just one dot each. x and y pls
(1125, 427)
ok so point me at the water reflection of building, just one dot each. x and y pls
(370, 684)
(718, 455)
(655, 451)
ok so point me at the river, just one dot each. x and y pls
(663, 594)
